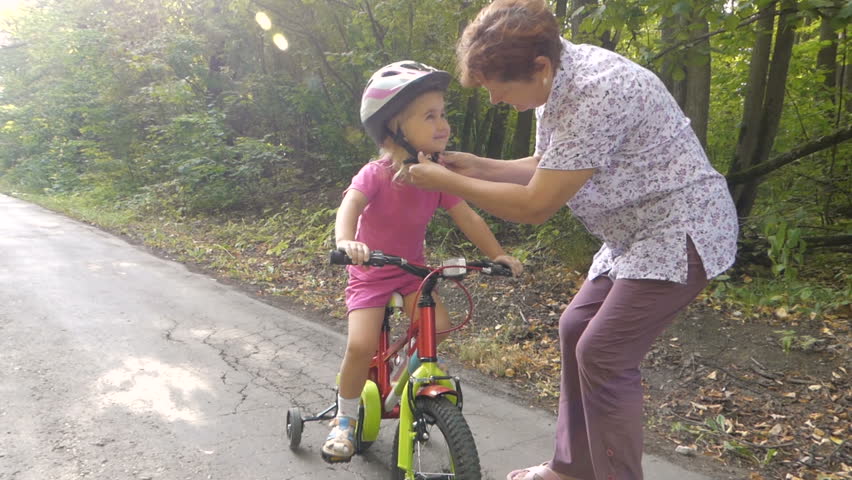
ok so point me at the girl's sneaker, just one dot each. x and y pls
(339, 446)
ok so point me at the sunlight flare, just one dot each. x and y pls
(263, 20)
(280, 41)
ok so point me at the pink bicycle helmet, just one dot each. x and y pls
(390, 90)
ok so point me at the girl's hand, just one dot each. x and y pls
(427, 175)
(461, 162)
(516, 266)
(357, 251)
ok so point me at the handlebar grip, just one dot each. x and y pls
(339, 257)
(500, 269)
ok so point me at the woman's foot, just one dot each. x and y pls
(339, 446)
(539, 472)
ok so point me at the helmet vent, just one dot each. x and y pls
(415, 66)
(390, 73)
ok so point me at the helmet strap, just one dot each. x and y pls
(399, 139)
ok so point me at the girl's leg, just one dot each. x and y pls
(608, 354)
(364, 329)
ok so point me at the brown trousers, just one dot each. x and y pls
(605, 333)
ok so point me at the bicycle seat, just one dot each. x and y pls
(396, 300)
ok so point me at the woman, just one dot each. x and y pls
(613, 144)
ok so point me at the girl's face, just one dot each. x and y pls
(425, 124)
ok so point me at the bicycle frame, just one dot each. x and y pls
(381, 399)
(428, 379)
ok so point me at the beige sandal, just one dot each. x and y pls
(339, 446)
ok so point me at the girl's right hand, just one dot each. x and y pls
(357, 251)
(463, 163)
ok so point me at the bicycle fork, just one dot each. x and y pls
(428, 380)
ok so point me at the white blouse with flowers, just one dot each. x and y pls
(653, 186)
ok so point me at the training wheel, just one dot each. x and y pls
(294, 427)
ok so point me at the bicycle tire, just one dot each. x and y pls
(361, 445)
(462, 462)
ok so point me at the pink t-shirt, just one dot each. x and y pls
(395, 218)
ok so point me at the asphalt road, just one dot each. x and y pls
(116, 364)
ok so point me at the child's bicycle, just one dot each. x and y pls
(433, 440)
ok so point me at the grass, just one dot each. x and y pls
(83, 207)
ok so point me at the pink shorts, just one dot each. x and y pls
(376, 293)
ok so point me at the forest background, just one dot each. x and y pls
(222, 133)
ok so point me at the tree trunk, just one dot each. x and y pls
(498, 132)
(697, 105)
(577, 20)
(827, 56)
(479, 147)
(776, 88)
(561, 9)
(753, 105)
(692, 92)
(845, 88)
(523, 131)
(468, 127)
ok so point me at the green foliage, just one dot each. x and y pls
(786, 247)
(790, 339)
(187, 108)
(810, 298)
(301, 233)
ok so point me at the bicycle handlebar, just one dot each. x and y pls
(380, 259)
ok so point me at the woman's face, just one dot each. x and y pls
(424, 123)
(522, 94)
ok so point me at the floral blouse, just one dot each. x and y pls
(653, 187)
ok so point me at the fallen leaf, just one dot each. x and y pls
(712, 375)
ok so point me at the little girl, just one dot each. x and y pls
(402, 110)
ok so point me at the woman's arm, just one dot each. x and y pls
(346, 222)
(546, 192)
(508, 171)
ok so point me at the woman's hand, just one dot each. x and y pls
(513, 263)
(461, 162)
(427, 175)
(357, 251)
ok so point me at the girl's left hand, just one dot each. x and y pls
(427, 174)
(513, 263)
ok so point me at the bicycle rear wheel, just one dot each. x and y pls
(443, 447)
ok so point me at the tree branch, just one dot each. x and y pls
(821, 143)
(691, 42)
(828, 241)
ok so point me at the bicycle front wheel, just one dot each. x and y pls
(443, 446)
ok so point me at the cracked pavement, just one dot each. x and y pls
(116, 364)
